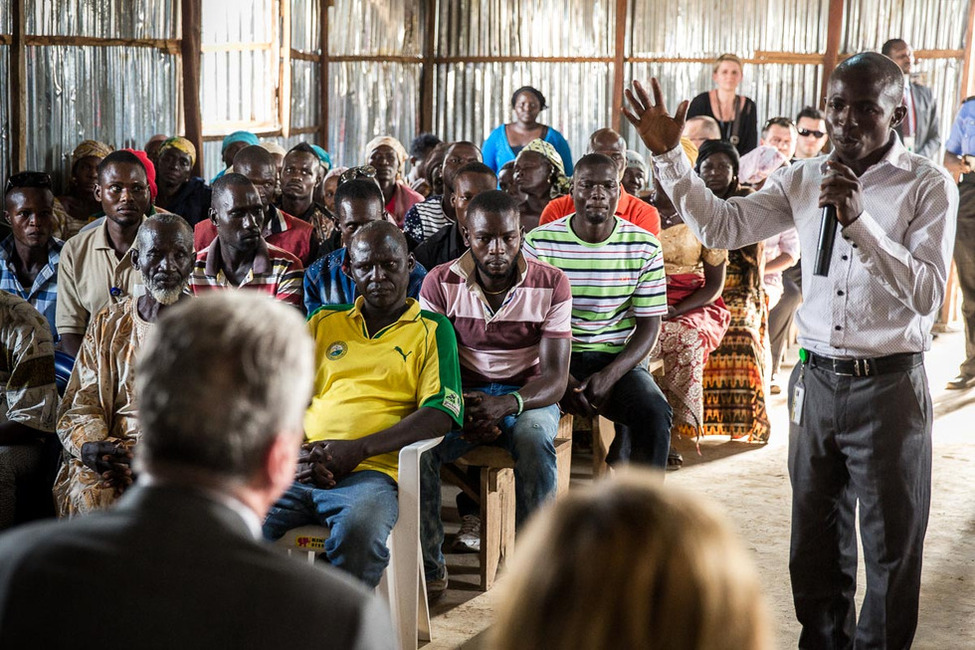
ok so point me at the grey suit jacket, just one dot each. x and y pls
(172, 568)
(927, 137)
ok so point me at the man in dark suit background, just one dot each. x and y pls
(222, 385)
(920, 130)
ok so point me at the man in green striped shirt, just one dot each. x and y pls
(619, 293)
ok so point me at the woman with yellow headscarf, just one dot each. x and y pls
(179, 191)
(540, 176)
(77, 205)
(388, 156)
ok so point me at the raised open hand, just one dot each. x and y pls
(658, 130)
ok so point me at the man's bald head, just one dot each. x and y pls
(252, 156)
(610, 144)
(379, 233)
(258, 165)
(873, 67)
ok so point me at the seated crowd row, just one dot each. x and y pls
(484, 332)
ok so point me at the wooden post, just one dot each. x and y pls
(192, 19)
(429, 69)
(323, 6)
(618, 63)
(831, 56)
(18, 89)
(968, 65)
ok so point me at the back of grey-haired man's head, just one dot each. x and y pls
(218, 379)
(181, 229)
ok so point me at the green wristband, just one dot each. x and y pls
(521, 403)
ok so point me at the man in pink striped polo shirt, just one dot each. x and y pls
(512, 317)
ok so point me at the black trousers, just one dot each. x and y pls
(863, 440)
(636, 403)
(965, 265)
(781, 316)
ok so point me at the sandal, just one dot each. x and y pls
(674, 460)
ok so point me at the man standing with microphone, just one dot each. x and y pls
(859, 403)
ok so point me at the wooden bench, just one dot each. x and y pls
(495, 494)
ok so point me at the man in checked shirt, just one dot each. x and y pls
(860, 408)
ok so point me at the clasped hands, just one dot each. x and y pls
(324, 462)
(111, 461)
(483, 413)
(587, 397)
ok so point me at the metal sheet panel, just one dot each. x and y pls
(368, 27)
(368, 99)
(707, 28)
(925, 24)
(472, 99)
(131, 19)
(306, 25)
(239, 87)
(306, 98)
(117, 95)
(582, 28)
(230, 21)
(777, 89)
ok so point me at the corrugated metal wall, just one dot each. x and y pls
(376, 97)
(471, 99)
(120, 95)
(124, 94)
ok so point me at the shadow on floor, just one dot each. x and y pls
(712, 449)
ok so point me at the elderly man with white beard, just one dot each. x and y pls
(97, 425)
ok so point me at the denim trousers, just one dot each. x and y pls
(359, 512)
(529, 438)
(637, 403)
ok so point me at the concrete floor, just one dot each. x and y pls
(751, 483)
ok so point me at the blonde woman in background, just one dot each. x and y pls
(629, 564)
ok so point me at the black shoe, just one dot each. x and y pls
(960, 382)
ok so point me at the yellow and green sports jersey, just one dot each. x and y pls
(364, 384)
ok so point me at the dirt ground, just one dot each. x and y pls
(751, 484)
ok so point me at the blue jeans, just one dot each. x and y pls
(529, 438)
(359, 511)
(636, 403)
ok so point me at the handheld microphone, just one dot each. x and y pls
(827, 235)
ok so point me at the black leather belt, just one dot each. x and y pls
(867, 367)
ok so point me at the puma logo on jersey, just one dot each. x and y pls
(403, 354)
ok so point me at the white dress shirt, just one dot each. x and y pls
(889, 267)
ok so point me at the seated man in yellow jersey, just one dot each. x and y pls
(387, 376)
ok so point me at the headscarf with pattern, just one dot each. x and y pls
(561, 184)
(392, 143)
(180, 144)
(89, 148)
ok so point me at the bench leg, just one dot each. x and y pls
(497, 521)
(603, 433)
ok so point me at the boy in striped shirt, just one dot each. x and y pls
(618, 296)
(239, 258)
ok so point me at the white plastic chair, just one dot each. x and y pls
(403, 583)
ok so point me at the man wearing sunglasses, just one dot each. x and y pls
(812, 133)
